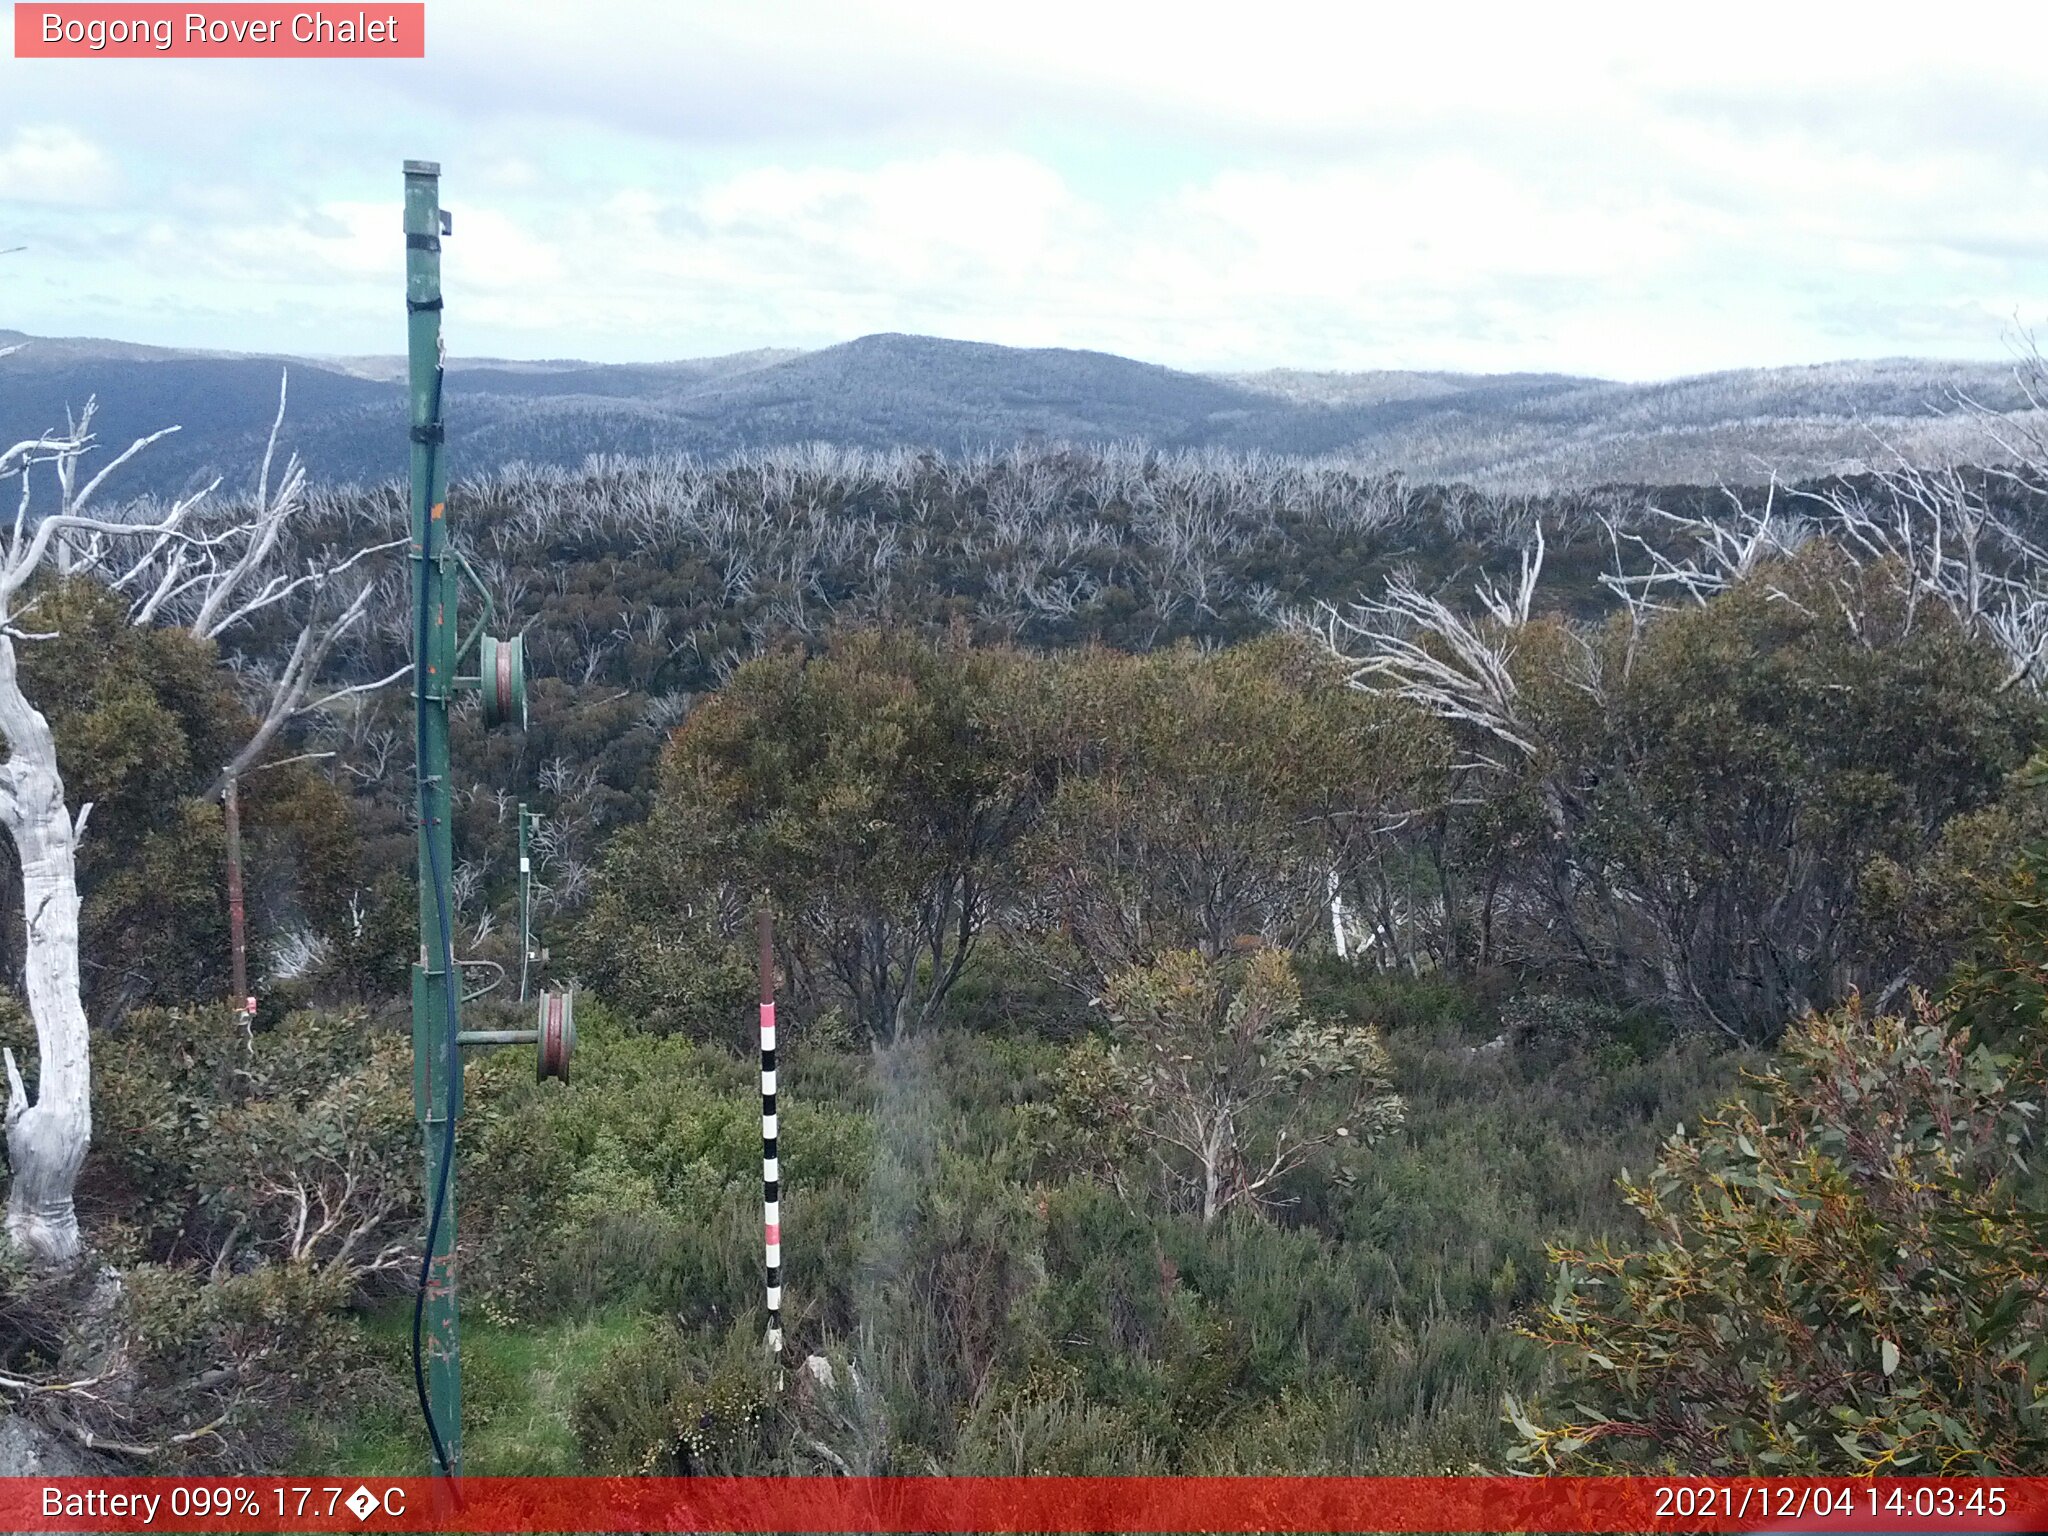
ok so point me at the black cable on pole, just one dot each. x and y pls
(419, 669)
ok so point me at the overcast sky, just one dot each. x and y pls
(1634, 191)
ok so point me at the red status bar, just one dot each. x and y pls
(1051, 1504)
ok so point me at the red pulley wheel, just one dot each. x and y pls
(557, 1035)
(503, 680)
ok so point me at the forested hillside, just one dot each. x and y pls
(1237, 920)
(1509, 432)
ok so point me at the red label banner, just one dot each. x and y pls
(233, 31)
(1051, 1504)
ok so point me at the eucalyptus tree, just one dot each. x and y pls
(1876, 1174)
(1230, 1085)
(875, 793)
(1684, 800)
(1205, 799)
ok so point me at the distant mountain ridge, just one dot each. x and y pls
(1509, 431)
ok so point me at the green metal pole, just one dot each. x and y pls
(436, 1061)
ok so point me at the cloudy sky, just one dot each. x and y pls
(1632, 191)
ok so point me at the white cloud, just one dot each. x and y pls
(54, 165)
(950, 216)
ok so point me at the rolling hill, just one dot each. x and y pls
(1508, 431)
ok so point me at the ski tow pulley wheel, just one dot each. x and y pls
(557, 1035)
(503, 681)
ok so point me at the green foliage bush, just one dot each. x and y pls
(1435, 1002)
(668, 965)
(1008, 989)
(1847, 1273)
(873, 793)
(188, 1365)
(223, 1145)
(1551, 1025)
(1707, 789)
(661, 1404)
(145, 719)
(1230, 1087)
(1037, 1432)
(371, 951)
(1203, 798)
(958, 1261)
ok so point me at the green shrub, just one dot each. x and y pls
(661, 1404)
(680, 976)
(1553, 1025)
(947, 1281)
(1067, 1435)
(212, 1139)
(1007, 991)
(1436, 1003)
(242, 1356)
(641, 1178)
(1847, 1273)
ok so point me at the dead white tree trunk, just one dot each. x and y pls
(46, 1140)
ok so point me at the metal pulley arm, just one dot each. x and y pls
(483, 622)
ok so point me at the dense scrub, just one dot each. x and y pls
(1002, 1308)
(1097, 1157)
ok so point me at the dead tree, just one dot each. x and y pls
(247, 569)
(1943, 533)
(1415, 645)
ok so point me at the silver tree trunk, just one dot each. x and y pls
(46, 1140)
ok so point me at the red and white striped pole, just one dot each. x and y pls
(771, 1169)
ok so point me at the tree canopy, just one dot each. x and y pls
(872, 794)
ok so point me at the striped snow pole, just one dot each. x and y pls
(771, 1169)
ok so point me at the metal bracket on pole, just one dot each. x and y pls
(531, 955)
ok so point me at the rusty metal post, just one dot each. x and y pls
(238, 912)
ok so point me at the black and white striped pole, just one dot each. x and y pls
(771, 1164)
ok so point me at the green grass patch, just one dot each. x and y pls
(518, 1385)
